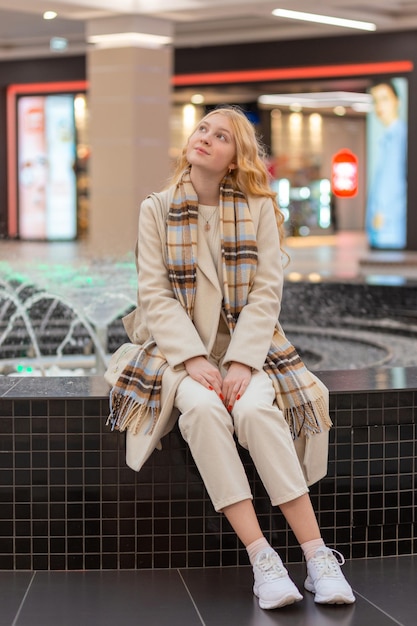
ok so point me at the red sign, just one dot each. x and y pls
(345, 174)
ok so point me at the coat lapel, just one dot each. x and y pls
(206, 264)
(209, 296)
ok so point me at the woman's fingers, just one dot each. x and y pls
(205, 373)
(235, 383)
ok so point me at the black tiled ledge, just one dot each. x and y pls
(68, 501)
(95, 387)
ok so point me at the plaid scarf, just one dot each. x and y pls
(135, 398)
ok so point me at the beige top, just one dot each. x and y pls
(209, 216)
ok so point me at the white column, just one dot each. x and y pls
(129, 102)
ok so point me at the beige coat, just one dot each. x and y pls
(160, 315)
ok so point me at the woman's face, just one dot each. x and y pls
(212, 146)
(385, 104)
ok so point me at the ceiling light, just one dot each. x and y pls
(362, 107)
(318, 100)
(50, 15)
(339, 110)
(122, 40)
(324, 19)
(197, 98)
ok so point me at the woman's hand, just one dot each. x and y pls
(205, 373)
(235, 383)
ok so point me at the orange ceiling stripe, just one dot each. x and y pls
(45, 88)
(293, 73)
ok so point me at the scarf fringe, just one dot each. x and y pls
(308, 419)
(128, 413)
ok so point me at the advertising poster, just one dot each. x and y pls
(386, 210)
(47, 198)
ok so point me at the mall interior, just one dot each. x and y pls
(88, 132)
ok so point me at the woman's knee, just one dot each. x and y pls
(254, 420)
(250, 405)
(258, 398)
(205, 419)
(247, 419)
(192, 396)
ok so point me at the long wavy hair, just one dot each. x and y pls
(251, 176)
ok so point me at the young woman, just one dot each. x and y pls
(210, 283)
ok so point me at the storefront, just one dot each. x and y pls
(305, 113)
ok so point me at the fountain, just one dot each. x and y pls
(65, 319)
(57, 318)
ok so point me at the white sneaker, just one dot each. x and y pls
(325, 578)
(272, 585)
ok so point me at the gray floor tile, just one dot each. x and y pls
(124, 598)
(13, 586)
(389, 583)
(224, 598)
(385, 590)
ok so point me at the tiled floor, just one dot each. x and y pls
(346, 256)
(385, 591)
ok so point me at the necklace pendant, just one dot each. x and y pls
(206, 226)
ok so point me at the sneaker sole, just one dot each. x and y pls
(285, 601)
(336, 599)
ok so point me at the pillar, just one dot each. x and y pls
(129, 68)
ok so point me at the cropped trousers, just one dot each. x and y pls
(259, 426)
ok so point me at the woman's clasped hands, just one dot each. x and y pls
(230, 388)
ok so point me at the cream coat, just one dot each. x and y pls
(160, 315)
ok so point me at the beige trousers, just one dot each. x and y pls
(260, 427)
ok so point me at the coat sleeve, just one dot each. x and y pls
(164, 317)
(253, 333)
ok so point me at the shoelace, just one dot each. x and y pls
(328, 563)
(271, 567)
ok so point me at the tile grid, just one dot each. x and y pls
(68, 501)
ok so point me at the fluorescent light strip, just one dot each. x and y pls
(316, 100)
(324, 19)
(113, 40)
(359, 102)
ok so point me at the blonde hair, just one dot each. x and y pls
(251, 175)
